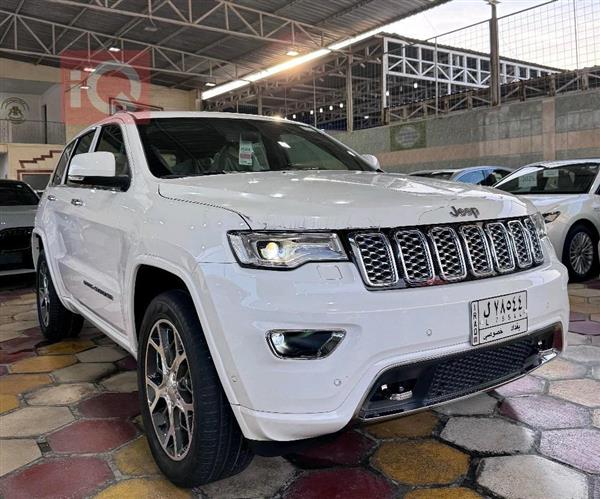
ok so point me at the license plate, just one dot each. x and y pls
(499, 317)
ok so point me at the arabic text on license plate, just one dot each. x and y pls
(496, 318)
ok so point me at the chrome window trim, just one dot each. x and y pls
(361, 265)
(424, 245)
(459, 251)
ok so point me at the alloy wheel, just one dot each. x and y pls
(581, 253)
(44, 294)
(169, 389)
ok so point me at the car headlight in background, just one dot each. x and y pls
(285, 250)
(551, 216)
(540, 224)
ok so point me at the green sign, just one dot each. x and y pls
(409, 136)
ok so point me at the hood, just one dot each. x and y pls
(546, 203)
(17, 216)
(339, 200)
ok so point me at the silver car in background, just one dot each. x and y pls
(18, 205)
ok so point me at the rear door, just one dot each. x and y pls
(105, 221)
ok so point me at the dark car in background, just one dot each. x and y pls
(480, 175)
(18, 205)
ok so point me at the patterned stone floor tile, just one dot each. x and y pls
(148, 488)
(3, 370)
(489, 436)
(66, 394)
(581, 391)
(595, 317)
(8, 334)
(586, 354)
(566, 446)
(577, 316)
(560, 369)
(263, 478)
(28, 315)
(584, 308)
(347, 449)
(21, 344)
(424, 462)
(66, 347)
(43, 364)
(57, 479)
(18, 326)
(578, 339)
(135, 459)
(545, 412)
(478, 405)
(101, 354)
(33, 421)
(84, 372)
(415, 425)
(443, 493)
(127, 364)
(522, 386)
(111, 405)
(10, 358)
(596, 418)
(122, 382)
(585, 327)
(340, 484)
(14, 384)
(8, 402)
(531, 477)
(17, 453)
(92, 435)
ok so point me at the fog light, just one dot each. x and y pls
(303, 344)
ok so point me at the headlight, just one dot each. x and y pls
(540, 224)
(550, 217)
(285, 250)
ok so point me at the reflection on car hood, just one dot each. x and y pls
(17, 216)
(337, 200)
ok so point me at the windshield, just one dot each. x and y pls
(440, 175)
(183, 147)
(568, 179)
(17, 194)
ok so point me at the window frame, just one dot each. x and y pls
(93, 130)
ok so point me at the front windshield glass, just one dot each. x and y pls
(17, 194)
(184, 147)
(568, 179)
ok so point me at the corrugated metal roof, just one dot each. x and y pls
(327, 21)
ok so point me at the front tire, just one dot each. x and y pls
(191, 430)
(56, 322)
(580, 254)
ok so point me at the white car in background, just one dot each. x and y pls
(478, 175)
(18, 205)
(567, 193)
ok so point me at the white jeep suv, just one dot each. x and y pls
(275, 287)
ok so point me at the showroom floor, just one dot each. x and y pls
(70, 428)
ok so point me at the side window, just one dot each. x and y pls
(83, 145)
(62, 164)
(111, 140)
(493, 176)
(473, 177)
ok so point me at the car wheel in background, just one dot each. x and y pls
(193, 434)
(580, 254)
(56, 322)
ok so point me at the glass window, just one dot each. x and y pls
(62, 164)
(84, 143)
(471, 177)
(568, 179)
(493, 176)
(13, 193)
(182, 147)
(111, 140)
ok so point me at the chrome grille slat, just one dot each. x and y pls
(414, 255)
(501, 247)
(448, 253)
(418, 256)
(477, 253)
(521, 245)
(534, 239)
(374, 254)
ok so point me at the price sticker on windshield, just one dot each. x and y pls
(528, 180)
(245, 153)
(550, 173)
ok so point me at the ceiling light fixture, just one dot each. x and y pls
(151, 27)
(84, 86)
(114, 49)
(292, 52)
(210, 84)
(89, 69)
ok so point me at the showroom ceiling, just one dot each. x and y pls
(187, 43)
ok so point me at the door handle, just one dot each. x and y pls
(51, 197)
(76, 202)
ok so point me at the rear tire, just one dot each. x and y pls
(56, 322)
(192, 432)
(580, 254)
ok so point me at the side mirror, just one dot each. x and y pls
(372, 161)
(96, 168)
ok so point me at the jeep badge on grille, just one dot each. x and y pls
(464, 212)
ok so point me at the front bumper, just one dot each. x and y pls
(282, 399)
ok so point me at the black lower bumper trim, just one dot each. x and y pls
(410, 387)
